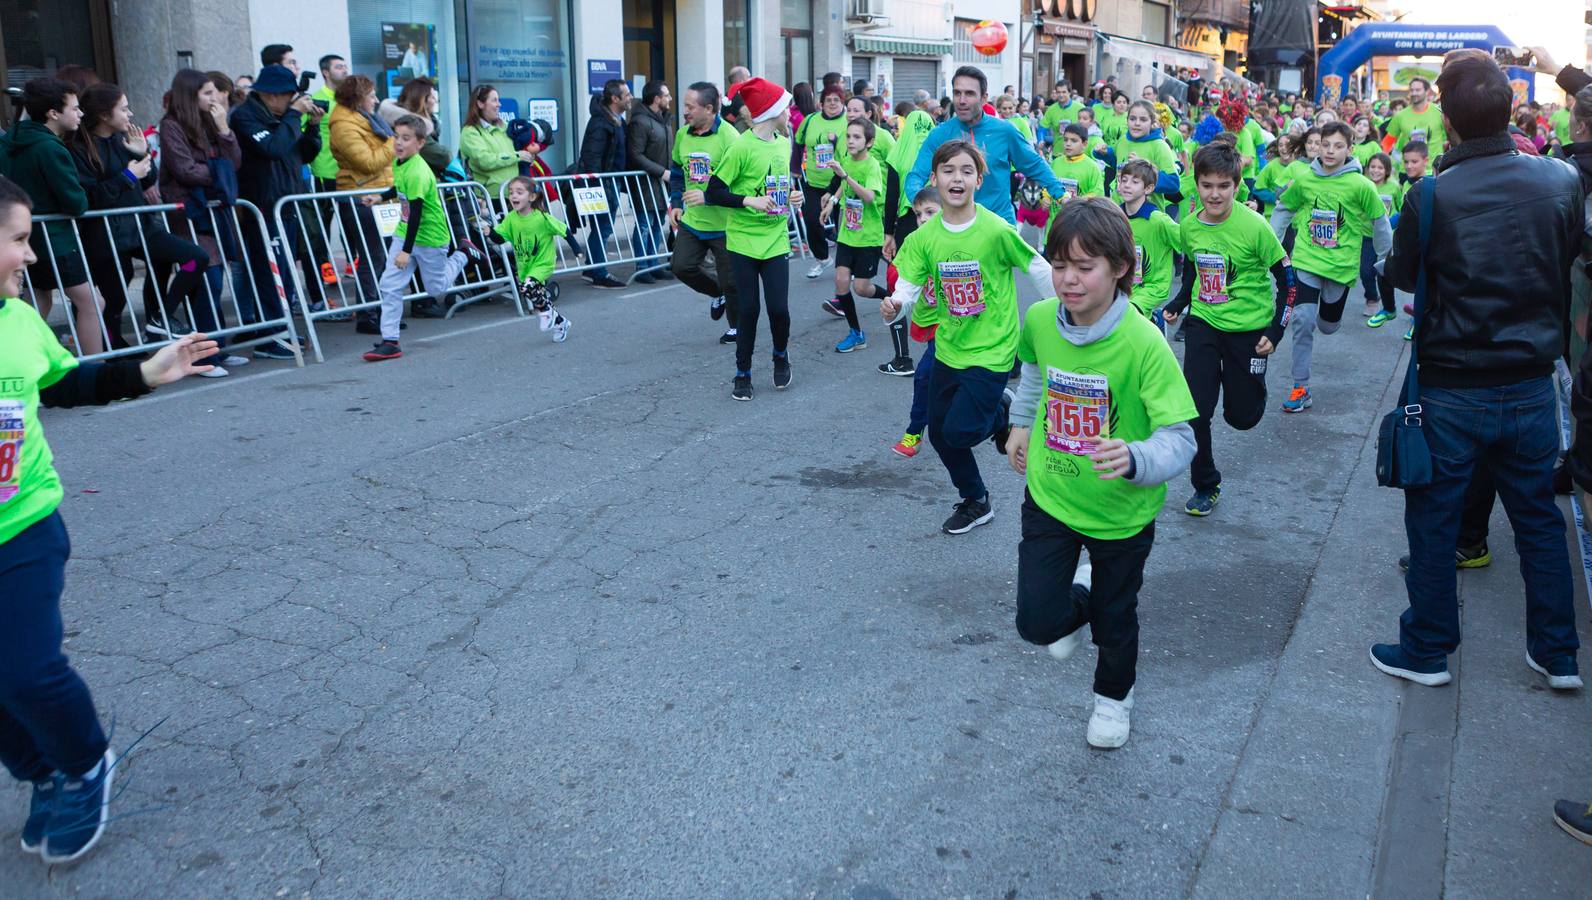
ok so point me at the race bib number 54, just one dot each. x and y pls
(11, 436)
(1077, 409)
(964, 287)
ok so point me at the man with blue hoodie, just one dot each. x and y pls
(1343, 209)
(1005, 150)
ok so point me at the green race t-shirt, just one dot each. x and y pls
(883, 145)
(1233, 259)
(1332, 215)
(324, 166)
(1113, 125)
(822, 139)
(1155, 239)
(971, 271)
(535, 250)
(1023, 128)
(1080, 175)
(697, 155)
(1249, 138)
(1363, 152)
(1273, 177)
(30, 359)
(1560, 120)
(1123, 386)
(860, 224)
(1056, 115)
(753, 167)
(1392, 194)
(1409, 125)
(1156, 152)
(413, 179)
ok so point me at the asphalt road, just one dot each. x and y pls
(511, 618)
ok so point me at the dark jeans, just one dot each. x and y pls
(602, 228)
(288, 245)
(1473, 518)
(366, 248)
(812, 208)
(1513, 431)
(1220, 363)
(1377, 287)
(647, 237)
(690, 252)
(1049, 607)
(918, 418)
(964, 411)
(166, 255)
(47, 718)
(773, 276)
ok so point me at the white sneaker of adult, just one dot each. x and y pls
(1108, 727)
(818, 268)
(1068, 645)
(235, 361)
(215, 372)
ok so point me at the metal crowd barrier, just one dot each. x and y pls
(351, 254)
(121, 249)
(605, 207)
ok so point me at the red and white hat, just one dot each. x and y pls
(764, 99)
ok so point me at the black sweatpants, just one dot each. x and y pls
(1224, 363)
(773, 276)
(1049, 607)
(812, 207)
(690, 252)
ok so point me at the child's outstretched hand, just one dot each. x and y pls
(1112, 459)
(177, 360)
(1017, 449)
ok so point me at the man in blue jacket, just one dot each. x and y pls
(1005, 150)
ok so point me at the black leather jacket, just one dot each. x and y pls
(1505, 230)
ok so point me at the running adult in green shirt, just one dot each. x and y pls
(1062, 109)
(1422, 121)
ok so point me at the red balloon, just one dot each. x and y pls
(989, 37)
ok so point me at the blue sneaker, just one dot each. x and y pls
(82, 806)
(1299, 400)
(856, 340)
(1203, 502)
(39, 809)
(1392, 660)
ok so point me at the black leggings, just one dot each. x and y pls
(812, 207)
(773, 275)
(1221, 363)
(167, 254)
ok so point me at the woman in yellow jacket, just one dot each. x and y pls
(362, 147)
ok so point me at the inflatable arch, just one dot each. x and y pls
(1398, 39)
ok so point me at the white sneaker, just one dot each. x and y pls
(1557, 682)
(561, 330)
(1108, 727)
(545, 319)
(215, 372)
(818, 268)
(235, 361)
(1067, 646)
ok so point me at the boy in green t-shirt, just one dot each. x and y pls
(53, 739)
(1156, 239)
(1091, 126)
(1234, 323)
(966, 254)
(1342, 209)
(1078, 172)
(859, 237)
(421, 241)
(534, 234)
(1113, 413)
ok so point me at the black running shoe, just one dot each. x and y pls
(728, 337)
(830, 307)
(969, 515)
(899, 366)
(716, 308)
(607, 281)
(781, 373)
(1575, 818)
(743, 388)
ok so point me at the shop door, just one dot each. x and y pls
(912, 75)
(649, 44)
(41, 36)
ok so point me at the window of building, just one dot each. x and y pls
(1156, 17)
(521, 47)
(431, 26)
(962, 46)
(796, 34)
(737, 34)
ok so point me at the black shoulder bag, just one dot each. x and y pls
(1403, 459)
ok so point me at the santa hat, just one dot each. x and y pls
(764, 99)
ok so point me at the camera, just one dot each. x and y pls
(1515, 56)
(304, 82)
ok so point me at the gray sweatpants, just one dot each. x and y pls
(438, 271)
(1307, 319)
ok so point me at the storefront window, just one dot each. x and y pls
(521, 48)
(393, 41)
(737, 42)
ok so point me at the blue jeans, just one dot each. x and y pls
(1513, 430)
(47, 718)
(602, 228)
(647, 237)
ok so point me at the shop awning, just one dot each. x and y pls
(894, 46)
(1160, 53)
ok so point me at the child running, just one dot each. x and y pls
(967, 254)
(1343, 209)
(754, 179)
(1115, 415)
(1379, 168)
(52, 735)
(925, 206)
(533, 233)
(1156, 239)
(1078, 172)
(421, 240)
(859, 240)
(1233, 325)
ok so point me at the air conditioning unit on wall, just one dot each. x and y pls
(869, 13)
